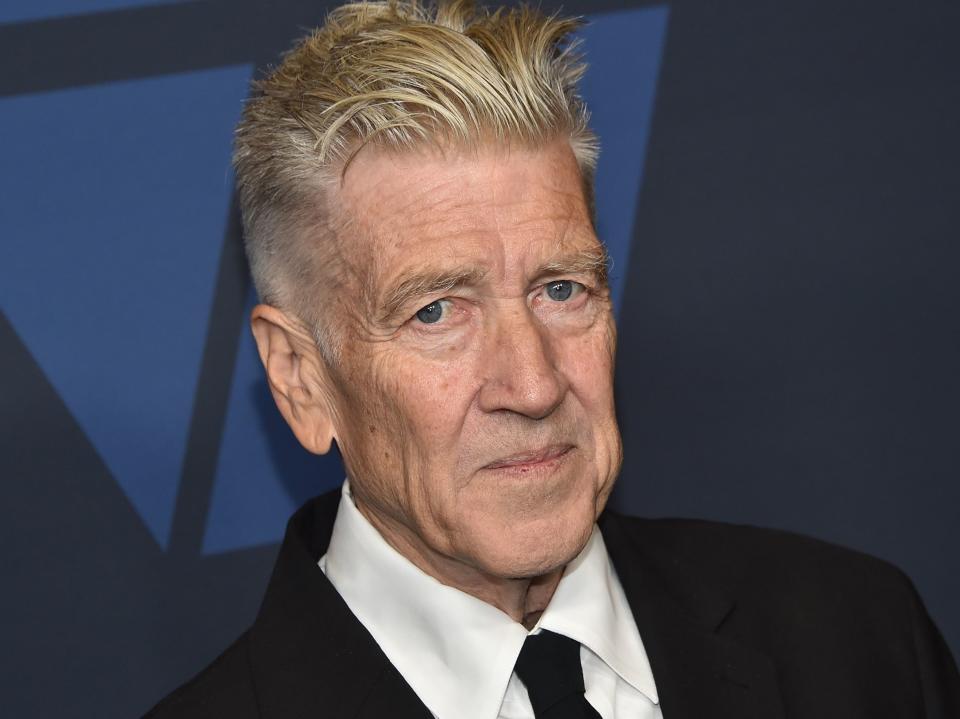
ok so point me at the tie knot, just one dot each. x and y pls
(549, 667)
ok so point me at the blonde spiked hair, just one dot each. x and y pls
(398, 74)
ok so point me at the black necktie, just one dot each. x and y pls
(549, 667)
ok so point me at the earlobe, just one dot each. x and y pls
(296, 376)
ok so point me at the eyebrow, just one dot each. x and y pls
(427, 282)
(594, 261)
(424, 282)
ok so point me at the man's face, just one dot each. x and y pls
(473, 394)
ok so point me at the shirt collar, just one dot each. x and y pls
(457, 652)
(589, 605)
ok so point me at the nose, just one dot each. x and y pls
(521, 374)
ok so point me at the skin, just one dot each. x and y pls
(482, 446)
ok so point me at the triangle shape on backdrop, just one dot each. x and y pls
(113, 207)
(624, 50)
(263, 474)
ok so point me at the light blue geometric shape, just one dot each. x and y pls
(113, 203)
(12, 11)
(263, 474)
(624, 50)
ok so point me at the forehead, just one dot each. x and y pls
(500, 207)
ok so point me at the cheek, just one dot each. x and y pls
(434, 398)
(587, 362)
(370, 426)
(428, 402)
(411, 404)
(588, 366)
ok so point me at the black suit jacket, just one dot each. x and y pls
(737, 622)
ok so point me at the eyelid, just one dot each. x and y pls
(578, 286)
(585, 280)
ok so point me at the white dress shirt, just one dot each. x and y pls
(457, 652)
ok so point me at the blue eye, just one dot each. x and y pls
(561, 290)
(431, 313)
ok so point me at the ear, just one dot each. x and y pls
(297, 376)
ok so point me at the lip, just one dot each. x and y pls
(531, 459)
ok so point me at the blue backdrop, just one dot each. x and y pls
(778, 191)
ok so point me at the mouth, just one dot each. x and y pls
(534, 459)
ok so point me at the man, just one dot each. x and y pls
(416, 190)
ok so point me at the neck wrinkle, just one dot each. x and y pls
(523, 599)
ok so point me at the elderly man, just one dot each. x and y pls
(416, 191)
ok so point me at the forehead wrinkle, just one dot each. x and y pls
(431, 205)
(439, 226)
(369, 232)
(404, 198)
(577, 250)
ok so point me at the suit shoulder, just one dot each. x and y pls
(224, 688)
(828, 617)
(772, 559)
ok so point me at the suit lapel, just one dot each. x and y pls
(309, 655)
(698, 672)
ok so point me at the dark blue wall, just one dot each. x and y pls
(779, 192)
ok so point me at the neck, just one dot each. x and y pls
(522, 598)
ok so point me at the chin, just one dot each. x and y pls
(536, 547)
(533, 524)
